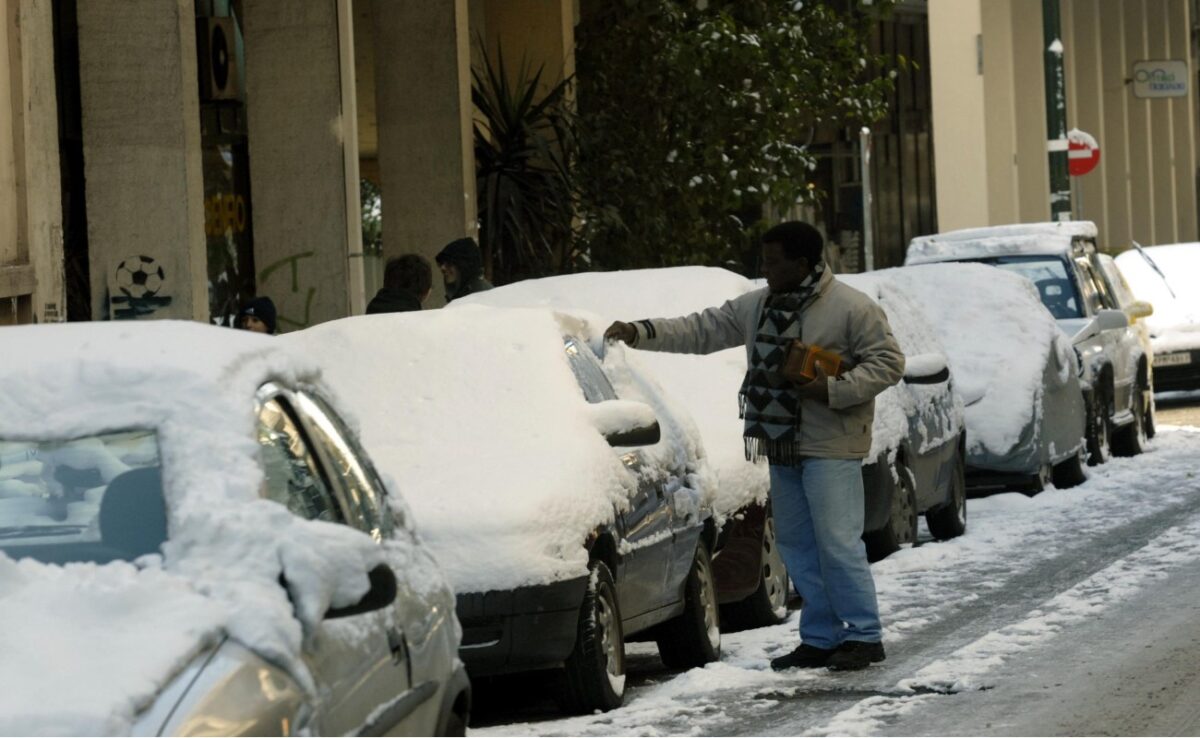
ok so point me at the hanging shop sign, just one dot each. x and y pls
(1164, 78)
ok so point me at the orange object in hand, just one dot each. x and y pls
(801, 360)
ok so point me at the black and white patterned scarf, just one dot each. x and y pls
(769, 403)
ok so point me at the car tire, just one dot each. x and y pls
(1098, 435)
(901, 527)
(1131, 440)
(595, 670)
(1070, 472)
(456, 726)
(949, 520)
(694, 637)
(768, 604)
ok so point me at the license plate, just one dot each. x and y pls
(1172, 359)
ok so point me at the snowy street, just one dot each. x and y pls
(1070, 612)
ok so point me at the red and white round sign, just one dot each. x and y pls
(1083, 153)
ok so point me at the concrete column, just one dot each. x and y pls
(960, 122)
(540, 32)
(298, 171)
(141, 143)
(1000, 111)
(43, 186)
(423, 103)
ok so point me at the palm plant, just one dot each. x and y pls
(523, 140)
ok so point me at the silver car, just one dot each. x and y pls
(111, 478)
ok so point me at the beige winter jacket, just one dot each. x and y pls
(838, 318)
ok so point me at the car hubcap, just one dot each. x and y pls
(606, 619)
(708, 601)
(906, 513)
(774, 574)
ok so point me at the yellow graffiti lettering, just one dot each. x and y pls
(223, 214)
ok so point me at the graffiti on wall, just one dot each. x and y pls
(294, 289)
(137, 288)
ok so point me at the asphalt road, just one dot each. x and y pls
(1177, 408)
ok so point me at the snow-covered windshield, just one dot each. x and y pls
(97, 498)
(1049, 275)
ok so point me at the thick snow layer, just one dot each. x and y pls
(85, 646)
(997, 337)
(924, 593)
(707, 386)
(476, 416)
(1175, 324)
(981, 243)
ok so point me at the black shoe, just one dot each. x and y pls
(855, 655)
(804, 657)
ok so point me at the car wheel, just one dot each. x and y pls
(694, 637)
(1070, 473)
(1098, 441)
(768, 604)
(1131, 440)
(1148, 400)
(596, 667)
(901, 527)
(949, 520)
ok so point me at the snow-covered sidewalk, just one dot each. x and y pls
(952, 611)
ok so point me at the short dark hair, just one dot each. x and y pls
(408, 272)
(799, 240)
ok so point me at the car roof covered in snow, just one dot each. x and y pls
(1008, 240)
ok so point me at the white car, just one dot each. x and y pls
(192, 543)
(915, 467)
(1166, 277)
(1061, 260)
(566, 502)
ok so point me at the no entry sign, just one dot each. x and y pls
(1083, 153)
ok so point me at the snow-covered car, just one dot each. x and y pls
(193, 543)
(1015, 371)
(1166, 277)
(564, 503)
(1137, 311)
(1061, 260)
(916, 462)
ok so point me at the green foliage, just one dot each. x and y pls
(694, 117)
(523, 176)
(372, 220)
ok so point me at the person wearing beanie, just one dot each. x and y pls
(407, 282)
(812, 433)
(462, 268)
(258, 316)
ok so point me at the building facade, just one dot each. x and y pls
(990, 124)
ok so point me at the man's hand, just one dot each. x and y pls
(619, 331)
(818, 388)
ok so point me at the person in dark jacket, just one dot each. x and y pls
(258, 316)
(407, 282)
(462, 268)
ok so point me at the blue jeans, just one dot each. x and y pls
(818, 508)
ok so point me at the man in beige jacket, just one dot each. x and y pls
(813, 435)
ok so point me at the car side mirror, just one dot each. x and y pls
(381, 594)
(625, 423)
(1111, 320)
(926, 369)
(1139, 309)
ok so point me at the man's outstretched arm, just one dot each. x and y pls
(699, 333)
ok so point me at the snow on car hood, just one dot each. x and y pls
(998, 337)
(477, 418)
(1175, 324)
(86, 646)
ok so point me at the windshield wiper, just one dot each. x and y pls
(1154, 266)
(35, 531)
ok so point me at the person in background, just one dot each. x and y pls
(814, 435)
(258, 316)
(407, 282)
(462, 268)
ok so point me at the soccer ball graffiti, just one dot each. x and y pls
(140, 277)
